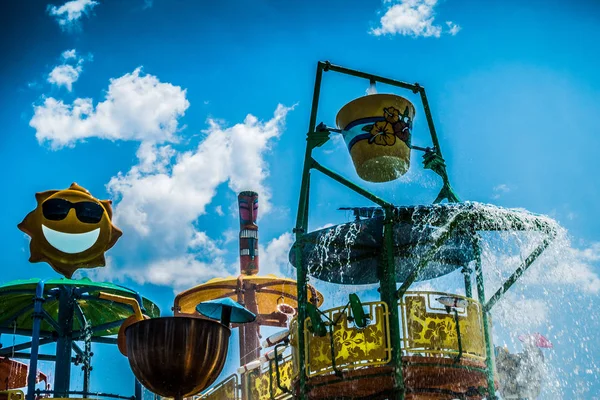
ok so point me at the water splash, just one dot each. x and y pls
(552, 296)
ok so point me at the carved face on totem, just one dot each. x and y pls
(248, 204)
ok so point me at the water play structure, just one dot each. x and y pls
(407, 344)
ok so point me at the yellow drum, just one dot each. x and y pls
(377, 131)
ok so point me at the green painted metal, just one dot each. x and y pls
(63, 311)
(466, 271)
(327, 66)
(433, 160)
(519, 271)
(487, 334)
(351, 185)
(317, 325)
(387, 280)
(358, 313)
(66, 311)
(35, 338)
(16, 304)
(428, 256)
(301, 228)
(387, 288)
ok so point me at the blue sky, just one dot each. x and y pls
(183, 104)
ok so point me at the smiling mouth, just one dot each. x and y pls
(70, 243)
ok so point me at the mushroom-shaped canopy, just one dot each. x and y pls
(225, 310)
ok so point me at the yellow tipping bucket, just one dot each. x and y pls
(377, 130)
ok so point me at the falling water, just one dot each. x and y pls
(322, 254)
(554, 297)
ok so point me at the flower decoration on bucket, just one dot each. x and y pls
(394, 125)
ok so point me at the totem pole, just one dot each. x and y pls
(249, 333)
(248, 203)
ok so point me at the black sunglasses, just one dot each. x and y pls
(87, 211)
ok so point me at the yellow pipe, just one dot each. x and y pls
(124, 300)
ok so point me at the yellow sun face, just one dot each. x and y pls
(70, 229)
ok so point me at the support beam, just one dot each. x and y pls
(35, 339)
(42, 357)
(429, 255)
(336, 68)
(466, 271)
(105, 340)
(7, 351)
(387, 285)
(518, 272)
(350, 185)
(487, 332)
(300, 230)
(66, 310)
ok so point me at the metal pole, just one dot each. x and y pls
(7, 351)
(336, 68)
(518, 272)
(486, 325)
(350, 185)
(424, 260)
(66, 310)
(300, 230)
(387, 284)
(35, 339)
(87, 364)
(434, 138)
(466, 271)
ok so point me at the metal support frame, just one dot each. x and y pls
(387, 284)
(387, 270)
(94, 394)
(64, 337)
(466, 271)
(316, 137)
(64, 344)
(35, 339)
(487, 331)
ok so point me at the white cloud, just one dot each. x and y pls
(137, 107)
(64, 75)
(159, 200)
(159, 197)
(453, 28)
(412, 18)
(179, 273)
(230, 235)
(274, 256)
(68, 72)
(499, 190)
(68, 54)
(69, 13)
(219, 210)
(201, 241)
